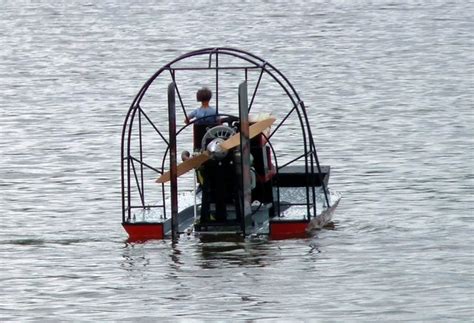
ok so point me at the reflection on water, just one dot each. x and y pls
(211, 252)
(207, 254)
(218, 254)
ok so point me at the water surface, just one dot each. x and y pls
(389, 90)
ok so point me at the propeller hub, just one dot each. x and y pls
(214, 148)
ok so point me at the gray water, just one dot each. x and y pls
(389, 89)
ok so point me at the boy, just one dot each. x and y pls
(206, 112)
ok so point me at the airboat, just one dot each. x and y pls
(253, 172)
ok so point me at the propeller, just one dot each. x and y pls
(231, 142)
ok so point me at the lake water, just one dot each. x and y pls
(389, 90)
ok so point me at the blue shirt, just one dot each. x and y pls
(201, 112)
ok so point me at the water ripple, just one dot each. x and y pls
(388, 87)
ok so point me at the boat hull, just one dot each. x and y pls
(276, 228)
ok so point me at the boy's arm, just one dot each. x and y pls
(191, 115)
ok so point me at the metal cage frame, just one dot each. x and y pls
(128, 167)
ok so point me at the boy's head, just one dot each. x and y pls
(204, 95)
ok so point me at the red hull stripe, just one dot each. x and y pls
(142, 231)
(288, 229)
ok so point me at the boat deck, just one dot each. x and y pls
(257, 223)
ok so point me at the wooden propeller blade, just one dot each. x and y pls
(254, 130)
(233, 141)
(184, 167)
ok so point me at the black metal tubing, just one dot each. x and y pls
(245, 184)
(146, 165)
(282, 121)
(172, 149)
(146, 207)
(256, 87)
(293, 160)
(213, 68)
(317, 161)
(276, 170)
(173, 76)
(263, 66)
(217, 79)
(233, 55)
(141, 155)
(313, 147)
(138, 185)
(153, 125)
(255, 63)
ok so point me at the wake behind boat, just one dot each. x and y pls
(253, 170)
